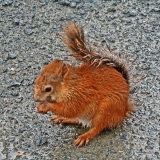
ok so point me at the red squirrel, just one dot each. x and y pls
(94, 94)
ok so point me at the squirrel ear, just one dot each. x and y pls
(63, 70)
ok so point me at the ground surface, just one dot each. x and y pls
(29, 32)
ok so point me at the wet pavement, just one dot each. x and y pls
(29, 32)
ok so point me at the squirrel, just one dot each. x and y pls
(94, 93)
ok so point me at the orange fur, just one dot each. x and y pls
(96, 96)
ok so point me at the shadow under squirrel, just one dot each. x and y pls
(95, 94)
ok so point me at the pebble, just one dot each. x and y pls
(73, 4)
(43, 141)
(28, 31)
(14, 84)
(18, 100)
(40, 142)
(5, 69)
(11, 55)
(46, 21)
(132, 13)
(7, 2)
(77, 1)
(17, 21)
(111, 10)
(124, 137)
(82, 158)
(142, 128)
(16, 4)
(155, 10)
(15, 93)
(108, 37)
(1, 60)
(64, 2)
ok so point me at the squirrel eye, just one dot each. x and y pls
(48, 89)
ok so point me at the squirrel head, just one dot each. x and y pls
(50, 83)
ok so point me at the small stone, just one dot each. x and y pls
(7, 2)
(112, 151)
(155, 10)
(28, 31)
(16, 21)
(111, 10)
(64, 2)
(32, 7)
(108, 37)
(111, 142)
(156, 153)
(46, 21)
(114, 4)
(15, 93)
(83, 158)
(124, 136)
(13, 84)
(12, 139)
(20, 59)
(43, 141)
(73, 4)
(142, 128)
(40, 142)
(18, 100)
(1, 60)
(77, 1)
(11, 55)
(43, 2)
(132, 14)
(16, 4)
(5, 69)
(13, 72)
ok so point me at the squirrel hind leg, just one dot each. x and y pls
(106, 118)
(97, 127)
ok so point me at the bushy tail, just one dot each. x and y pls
(75, 41)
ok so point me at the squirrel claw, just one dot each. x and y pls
(55, 119)
(79, 142)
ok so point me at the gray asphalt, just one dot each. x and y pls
(29, 32)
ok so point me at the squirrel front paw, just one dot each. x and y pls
(42, 107)
(63, 120)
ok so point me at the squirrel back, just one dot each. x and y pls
(75, 41)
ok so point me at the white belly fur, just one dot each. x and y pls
(85, 122)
